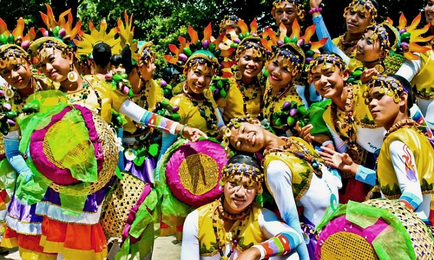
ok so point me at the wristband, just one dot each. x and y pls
(315, 10)
(172, 129)
(182, 130)
(261, 249)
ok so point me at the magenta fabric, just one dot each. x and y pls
(209, 148)
(132, 215)
(43, 164)
(341, 224)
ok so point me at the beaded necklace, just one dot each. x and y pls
(244, 87)
(347, 46)
(300, 151)
(217, 224)
(211, 120)
(347, 125)
(18, 99)
(270, 99)
(401, 124)
(141, 98)
(83, 94)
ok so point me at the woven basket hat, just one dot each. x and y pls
(73, 149)
(375, 229)
(193, 171)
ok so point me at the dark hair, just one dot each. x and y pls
(116, 60)
(101, 54)
(244, 158)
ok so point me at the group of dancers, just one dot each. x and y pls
(291, 126)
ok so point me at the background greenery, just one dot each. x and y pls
(162, 21)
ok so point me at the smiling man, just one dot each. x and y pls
(286, 11)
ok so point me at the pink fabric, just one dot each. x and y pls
(43, 164)
(133, 211)
(341, 224)
(209, 148)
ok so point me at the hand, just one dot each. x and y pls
(250, 254)
(315, 3)
(367, 74)
(340, 161)
(304, 132)
(193, 134)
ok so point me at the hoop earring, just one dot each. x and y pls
(72, 75)
(185, 88)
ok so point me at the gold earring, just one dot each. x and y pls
(72, 75)
(379, 68)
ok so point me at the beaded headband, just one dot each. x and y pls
(388, 85)
(254, 174)
(229, 20)
(44, 43)
(234, 122)
(297, 49)
(279, 3)
(327, 60)
(9, 54)
(362, 6)
(146, 52)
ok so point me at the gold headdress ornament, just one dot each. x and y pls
(255, 174)
(62, 29)
(126, 33)
(391, 86)
(146, 52)
(363, 6)
(298, 49)
(88, 41)
(228, 20)
(206, 49)
(297, 3)
(16, 37)
(327, 60)
(234, 122)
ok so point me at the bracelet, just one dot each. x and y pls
(315, 10)
(182, 130)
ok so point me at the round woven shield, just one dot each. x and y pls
(343, 239)
(193, 171)
(57, 148)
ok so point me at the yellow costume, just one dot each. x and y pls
(423, 154)
(191, 114)
(250, 233)
(423, 82)
(350, 52)
(232, 104)
(252, 98)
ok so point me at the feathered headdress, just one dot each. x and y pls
(17, 36)
(63, 28)
(297, 48)
(208, 48)
(88, 41)
(126, 33)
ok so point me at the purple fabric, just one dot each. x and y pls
(92, 201)
(132, 215)
(308, 229)
(341, 224)
(143, 172)
(51, 171)
(23, 213)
